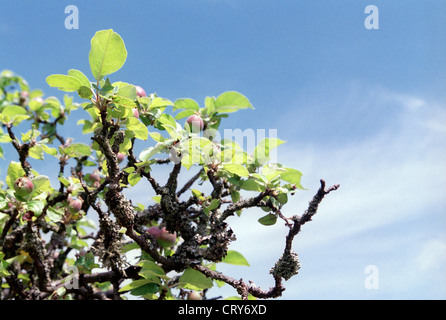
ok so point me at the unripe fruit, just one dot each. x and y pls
(140, 92)
(75, 205)
(154, 231)
(23, 186)
(95, 177)
(120, 156)
(195, 123)
(166, 239)
(193, 295)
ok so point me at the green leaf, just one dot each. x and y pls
(14, 172)
(140, 287)
(107, 54)
(55, 215)
(215, 203)
(156, 136)
(80, 76)
(186, 104)
(268, 220)
(262, 150)
(231, 101)
(85, 92)
(292, 176)
(153, 268)
(134, 179)
(138, 128)
(14, 114)
(282, 198)
(236, 258)
(41, 184)
(194, 280)
(146, 154)
(36, 152)
(125, 90)
(196, 193)
(184, 114)
(64, 82)
(252, 185)
(236, 169)
(76, 150)
(49, 150)
(36, 206)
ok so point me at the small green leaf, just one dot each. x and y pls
(268, 220)
(85, 92)
(184, 114)
(231, 101)
(236, 169)
(146, 154)
(215, 203)
(236, 258)
(41, 184)
(282, 198)
(252, 185)
(152, 268)
(262, 151)
(55, 215)
(292, 176)
(186, 104)
(36, 206)
(14, 114)
(126, 90)
(138, 128)
(194, 280)
(14, 172)
(80, 76)
(76, 150)
(156, 136)
(107, 54)
(64, 82)
(134, 179)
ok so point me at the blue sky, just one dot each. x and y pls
(363, 108)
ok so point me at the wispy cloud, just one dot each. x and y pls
(392, 192)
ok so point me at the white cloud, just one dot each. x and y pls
(392, 183)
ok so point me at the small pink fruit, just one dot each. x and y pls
(154, 231)
(140, 92)
(166, 239)
(136, 113)
(193, 295)
(75, 205)
(23, 186)
(195, 123)
(95, 177)
(120, 156)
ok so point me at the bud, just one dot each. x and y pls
(193, 295)
(140, 92)
(195, 123)
(75, 205)
(121, 157)
(166, 239)
(28, 216)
